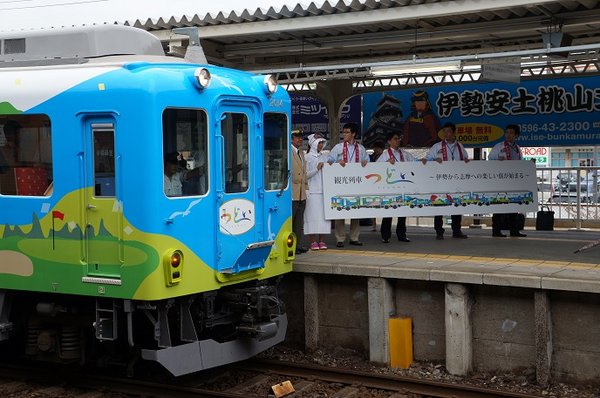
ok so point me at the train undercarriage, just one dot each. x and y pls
(183, 334)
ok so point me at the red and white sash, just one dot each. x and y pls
(391, 154)
(509, 152)
(345, 152)
(445, 151)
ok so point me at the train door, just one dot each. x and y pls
(240, 202)
(102, 210)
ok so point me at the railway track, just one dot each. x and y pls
(248, 379)
(354, 380)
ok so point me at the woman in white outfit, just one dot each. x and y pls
(315, 224)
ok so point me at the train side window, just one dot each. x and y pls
(276, 150)
(104, 162)
(185, 150)
(25, 155)
(234, 128)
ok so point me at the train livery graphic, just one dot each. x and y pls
(421, 200)
(144, 202)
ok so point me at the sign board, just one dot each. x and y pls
(562, 111)
(509, 73)
(311, 116)
(414, 189)
(541, 155)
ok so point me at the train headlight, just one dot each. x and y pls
(202, 77)
(173, 266)
(176, 259)
(290, 247)
(270, 84)
(290, 241)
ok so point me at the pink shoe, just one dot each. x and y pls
(322, 246)
(314, 246)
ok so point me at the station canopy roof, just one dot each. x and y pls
(337, 35)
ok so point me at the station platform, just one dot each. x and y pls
(542, 260)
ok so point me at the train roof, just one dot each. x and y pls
(75, 45)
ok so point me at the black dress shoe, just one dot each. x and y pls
(300, 250)
(385, 240)
(340, 244)
(439, 237)
(498, 235)
(404, 239)
(356, 243)
(460, 236)
(518, 235)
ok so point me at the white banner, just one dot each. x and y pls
(415, 189)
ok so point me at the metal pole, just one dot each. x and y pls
(578, 192)
(476, 217)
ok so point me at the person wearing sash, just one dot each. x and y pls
(394, 154)
(507, 150)
(348, 151)
(299, 188)
(447, 150)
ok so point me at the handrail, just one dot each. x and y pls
(586, 196)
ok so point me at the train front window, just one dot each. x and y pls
(185, 151)
(276, 151)
(25, 155)
(234, 128)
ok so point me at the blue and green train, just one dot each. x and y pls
(144, 202)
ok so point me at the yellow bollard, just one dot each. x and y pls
(401, 344)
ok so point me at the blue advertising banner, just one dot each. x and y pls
(556, 112)
(309, 115)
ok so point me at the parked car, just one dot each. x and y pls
(563, 180)
(586, 184)
(571, 197)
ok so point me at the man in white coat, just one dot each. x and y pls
(443, 151)
(507, 150)
(392, 155)
(348, 151)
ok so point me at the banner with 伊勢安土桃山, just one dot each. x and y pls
(561, 111)
(416, 189)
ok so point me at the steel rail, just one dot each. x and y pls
(404, 384)
(32, 373)
(68, 377)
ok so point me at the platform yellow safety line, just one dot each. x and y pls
(439, 256)
(554, 264)
(472, 259)
(503, 261)
(415, 255)
(575, 264)
(529, 237)
(392, 254)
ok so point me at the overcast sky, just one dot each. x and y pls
(31, 14)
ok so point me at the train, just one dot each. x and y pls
(145, 207)
(420, 200)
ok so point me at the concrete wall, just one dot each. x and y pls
(503, 329)
(291, 291)
(503, 323)
(424, 303)
(576, 336)
(343, 313)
